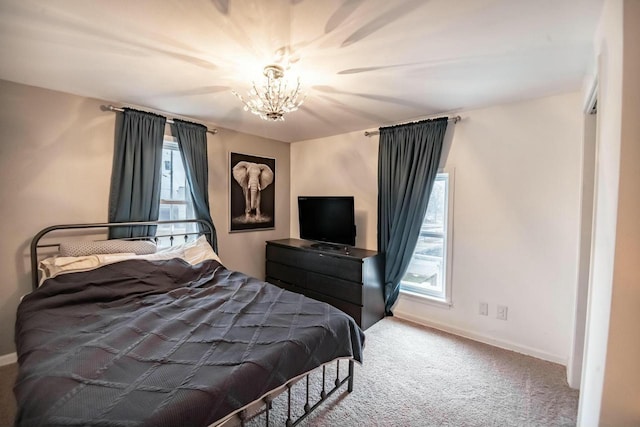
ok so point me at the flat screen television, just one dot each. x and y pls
(327, 219)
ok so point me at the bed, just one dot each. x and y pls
(165, 340)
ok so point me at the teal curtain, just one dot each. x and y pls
(136, 173)
(192, 141)
(408, 160)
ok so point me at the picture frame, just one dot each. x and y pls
(251, 192)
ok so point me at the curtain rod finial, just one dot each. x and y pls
(110, 108)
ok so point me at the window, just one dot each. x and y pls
(429, 273)
(175, 197)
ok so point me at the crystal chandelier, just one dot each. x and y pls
(272, 100)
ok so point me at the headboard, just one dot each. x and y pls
(35, 242)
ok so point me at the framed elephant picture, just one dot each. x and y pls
(252, 192)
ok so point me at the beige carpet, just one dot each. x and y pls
(416, 376)
(7, 402)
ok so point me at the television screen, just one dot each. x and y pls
(327, 219)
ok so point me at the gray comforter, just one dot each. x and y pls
(165, 344)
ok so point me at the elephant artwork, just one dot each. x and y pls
(254, 209)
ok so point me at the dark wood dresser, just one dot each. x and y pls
(349, 280)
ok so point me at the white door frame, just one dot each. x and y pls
(587, 200)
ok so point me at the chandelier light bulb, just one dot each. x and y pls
(272, 100)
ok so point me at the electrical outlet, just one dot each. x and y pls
(484, 309)
(502, 312)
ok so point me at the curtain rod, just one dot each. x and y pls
(112, 108)
(454, 119)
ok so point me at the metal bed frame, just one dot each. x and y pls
(35, 242)
(244, 414)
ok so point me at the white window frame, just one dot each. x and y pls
(171, 143)
(443, 298)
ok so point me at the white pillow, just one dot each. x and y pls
(192, 252)
(77, 248)
(51, 267)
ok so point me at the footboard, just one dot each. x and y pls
(303, 400)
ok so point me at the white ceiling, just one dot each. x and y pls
(363, 63)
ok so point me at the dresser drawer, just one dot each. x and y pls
(285, 272)
(342, 289)
(352, 310)
(284, 285)
(343, 268)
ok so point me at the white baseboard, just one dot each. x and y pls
(507, 345)
(8, 359)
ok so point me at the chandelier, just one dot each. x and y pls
(272, 100)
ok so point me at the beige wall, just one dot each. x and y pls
(343, 165)
(621, 391)
(609, 51)
(516, 218)
(611, 374)
(56, 154)
(246, 251)
(55, 166)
